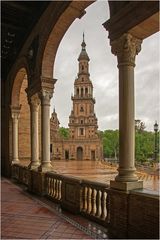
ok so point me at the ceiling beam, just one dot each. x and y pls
(18, 6)
(13, 27)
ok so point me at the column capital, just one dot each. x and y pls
(15, 111)
(126, 48)
(40, 83)
(45, 96)
(34, 101)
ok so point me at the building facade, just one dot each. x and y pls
(84, 142)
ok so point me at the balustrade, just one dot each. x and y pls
(93, 197)
(21, 174)
(95, 200)
(53, 185)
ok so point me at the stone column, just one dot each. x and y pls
(45, 97)
(15, 112)
(126, 48)
(34, 103)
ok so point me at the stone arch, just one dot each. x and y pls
(73, 11)
(18, 99)
(16, 77)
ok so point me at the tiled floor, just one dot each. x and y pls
(24, 216)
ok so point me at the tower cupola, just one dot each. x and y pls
(83, 55)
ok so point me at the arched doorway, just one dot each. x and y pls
(66, 155)
(79, 153)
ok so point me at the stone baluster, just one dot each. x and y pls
(98, 205)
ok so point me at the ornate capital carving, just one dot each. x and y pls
(34, 102)
(126, 48)
(41, 84)
(15, 112)
(45, 97)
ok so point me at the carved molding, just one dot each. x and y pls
(126, 48)
(41, 83)
(45, 97)
(15, 111)
(34, 102)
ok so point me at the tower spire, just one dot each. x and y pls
(83, 55)
(83, 43)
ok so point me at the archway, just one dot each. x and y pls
(79, 153)
(20, 110)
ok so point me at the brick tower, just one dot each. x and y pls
(84, 142)
(82, 121)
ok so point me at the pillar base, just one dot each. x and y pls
(45, 167)
(33, 165)
(126, 175)
(126, 186)
(16, 161)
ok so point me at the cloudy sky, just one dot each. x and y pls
(104, 72)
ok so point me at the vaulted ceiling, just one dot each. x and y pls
(17, 20)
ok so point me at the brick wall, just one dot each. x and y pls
(134, 215)
(24, 124)
(143, 216)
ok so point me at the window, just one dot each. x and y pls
(82, 67)
(51, 148)
(81, 92)
(81, 109)
(81, 121)
(81, 131)
(77, 91)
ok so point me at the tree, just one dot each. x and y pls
(64, 132)
(110, 143)
(139, 125)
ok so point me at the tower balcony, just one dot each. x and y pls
(84, 97)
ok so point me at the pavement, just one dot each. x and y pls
(25, 216)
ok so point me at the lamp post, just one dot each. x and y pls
(156, 140)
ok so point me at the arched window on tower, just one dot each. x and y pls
(81, 92)
(77, 91)
(86, 91)
(82, 67)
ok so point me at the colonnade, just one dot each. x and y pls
(36, 100)
(125, 48)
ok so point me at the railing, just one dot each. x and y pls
(21, 174)
(95, 201)
(15, 171)
(91, 199)
(53, 184)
